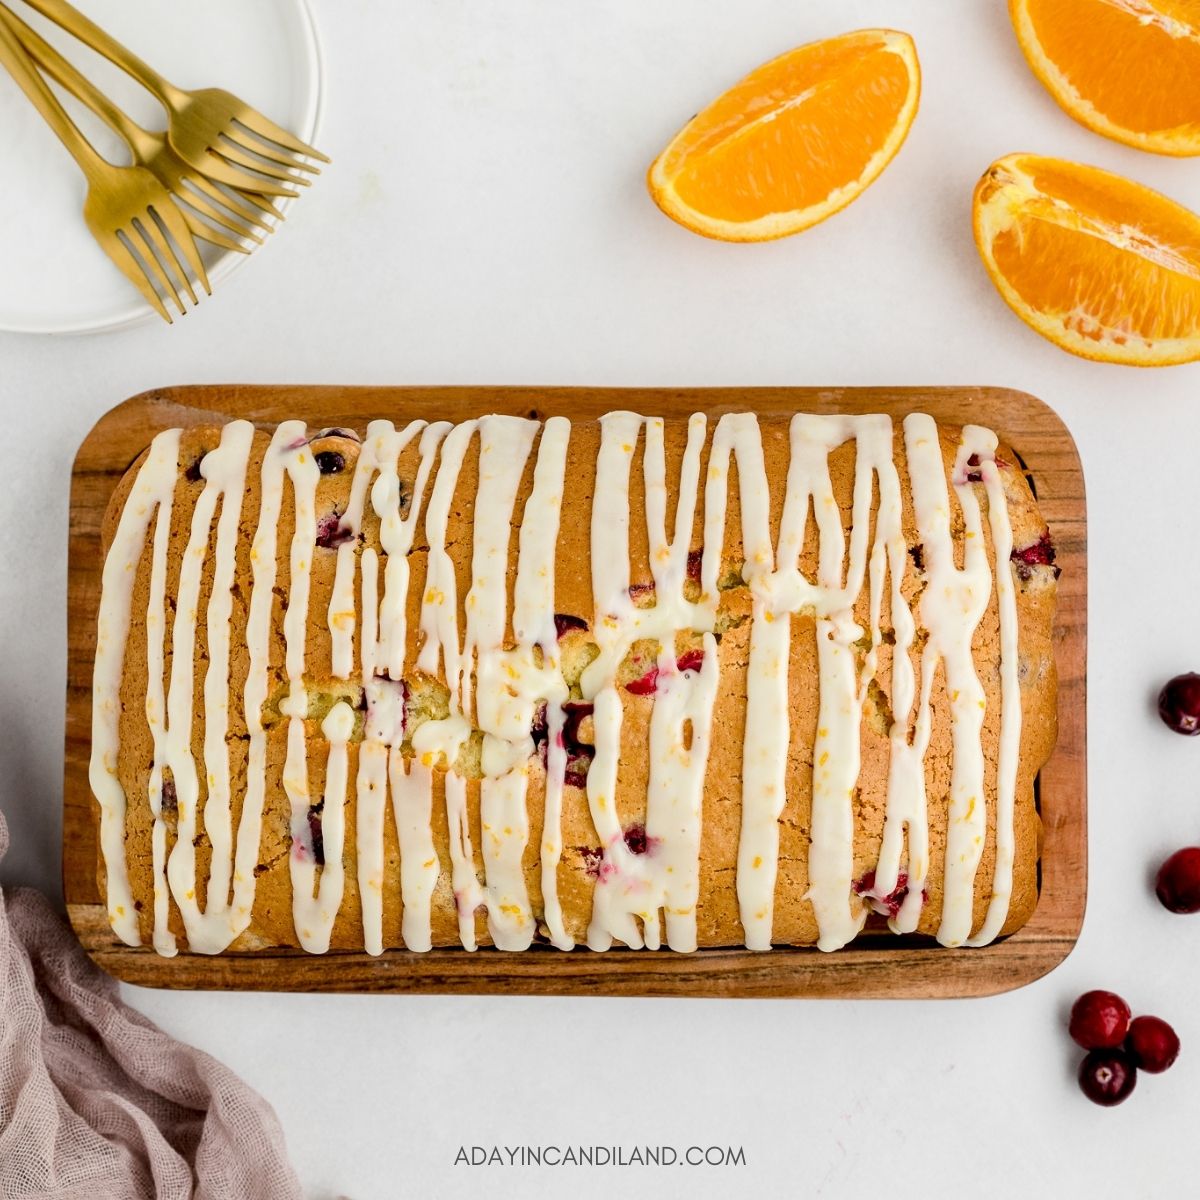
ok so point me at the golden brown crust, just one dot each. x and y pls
(717, 912)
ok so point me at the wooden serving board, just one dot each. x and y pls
(878, 966)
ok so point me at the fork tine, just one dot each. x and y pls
(239, 205)
(282, 158)
(231, 153)
(170, 221)
(119, 250)
(209, 234)
(264, 204)
(214, 215)
(268, 131)
(221, 170)
(142, 225)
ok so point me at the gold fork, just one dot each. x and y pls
(128, 211)
(153, 151)
(205, 125)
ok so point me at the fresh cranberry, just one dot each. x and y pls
(1099, 1020)
(638, 590)
(1152, 1044)
(975, 476)
(1178, 883)
(314, 829)
(694, 560)
(1107, 1076)
(565, 622)
(1179, 703)
(917, 554)
(329, 462)
(690, 660)
(330, 534)
(170, 800)
(1040, 553)
(192, 474)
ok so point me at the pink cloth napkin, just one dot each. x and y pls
(96, 1101)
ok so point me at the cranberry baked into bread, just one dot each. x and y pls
(708, 682)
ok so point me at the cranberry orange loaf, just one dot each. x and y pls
(706, 682)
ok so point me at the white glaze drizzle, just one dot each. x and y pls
(224, 473)
(501, 684)
(382, 640)
(534, 629)
(982, 443)
(370, 788)
(156, 718)
(764, 751)
(152, 490)
(634, 888)
(950, 608)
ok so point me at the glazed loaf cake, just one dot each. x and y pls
(708, 682)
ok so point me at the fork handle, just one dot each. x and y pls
(47, 59)
(20, 67)
(88, 32)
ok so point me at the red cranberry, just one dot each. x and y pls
(644, 685)
(316, 831)
(540, 729)
(592, 857)
(695, 559)
(647, 684)
(576, 711)
(565, 622)
(577, 771)
(1040, 554)
(1107, 1076)
(889, 905)
(1099, 1020)
(330, 534)
(1152, 1044)
(329, 462)
(636, 839)
(1179, 704)
(1178, 883)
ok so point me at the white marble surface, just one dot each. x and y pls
(485, 221)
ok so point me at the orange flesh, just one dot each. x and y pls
(1122, 57)
(1119, 263)
(792, 132)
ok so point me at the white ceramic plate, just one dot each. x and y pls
(53, 276)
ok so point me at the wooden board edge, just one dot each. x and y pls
(863, 973)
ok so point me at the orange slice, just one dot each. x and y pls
(793, 142)
(1129, 69)
(1100, 265)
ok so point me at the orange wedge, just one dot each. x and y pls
(793, 142)
(1100, 265)
(1129, 69)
